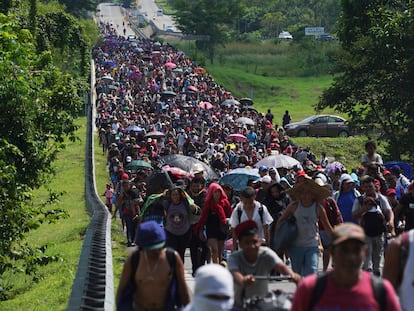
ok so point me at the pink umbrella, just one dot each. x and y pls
(170, 65)
(177, 172)
(193, 88)
(205, 105)
(237, 137)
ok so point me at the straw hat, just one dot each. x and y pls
(309, 185)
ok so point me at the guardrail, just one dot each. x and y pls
(93, 287)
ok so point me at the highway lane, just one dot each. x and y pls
(150, 8)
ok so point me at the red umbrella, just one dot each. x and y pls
(176, 171)
(237, 137)
(171, 65)
(205, 105)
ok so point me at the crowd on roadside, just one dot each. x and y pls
(146, 87)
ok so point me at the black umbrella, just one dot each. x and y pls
(188, 164)
(168, 94)
(246, 101)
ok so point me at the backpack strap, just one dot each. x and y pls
(239, 212)
(261, 212)
(379, 292)
(317, 292)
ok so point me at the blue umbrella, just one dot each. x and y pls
(239, 177)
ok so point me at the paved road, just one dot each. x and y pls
(150, 8)
(113, 14)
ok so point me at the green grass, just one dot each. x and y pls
(64, 237)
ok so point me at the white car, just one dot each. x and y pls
(285, 35)
(169, 28)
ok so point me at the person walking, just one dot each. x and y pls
(286, 119)
(307, 208)
(346, 286)
(213, 290)
(148, 272)
(214, 216)
(375, 215)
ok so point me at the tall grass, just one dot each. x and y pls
(65, 237)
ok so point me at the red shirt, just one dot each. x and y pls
(360, 297)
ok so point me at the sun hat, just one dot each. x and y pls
(150, 236)
(346, 178)
(347, 231)
(309, 186)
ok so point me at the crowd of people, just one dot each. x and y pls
(152, 100)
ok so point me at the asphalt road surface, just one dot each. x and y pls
(149, 9)
(113, 14)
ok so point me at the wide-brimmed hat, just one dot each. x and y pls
(309, 186)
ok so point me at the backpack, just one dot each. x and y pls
(240, 211)
(373, 223)
(125, 303)
(376, 283)
(333, 215)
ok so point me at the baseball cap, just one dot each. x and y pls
(347, 231)
(346, 178)
(245, 228)
(391, 192)
(263, 168)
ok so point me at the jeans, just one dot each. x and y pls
(198, 251)
(374, 253)
(304, 259)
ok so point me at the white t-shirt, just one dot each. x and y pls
(267, 218)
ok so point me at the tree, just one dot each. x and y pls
(38, 106)
(374, 85)
(212, 19)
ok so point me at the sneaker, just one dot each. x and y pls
(287, 262)
(223, 263)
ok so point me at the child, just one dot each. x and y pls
(109, 193)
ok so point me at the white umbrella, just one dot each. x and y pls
(278, 161)
(245, 120)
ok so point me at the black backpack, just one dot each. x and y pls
(372, 222)
(376, 283)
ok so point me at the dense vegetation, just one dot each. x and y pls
(43, 73)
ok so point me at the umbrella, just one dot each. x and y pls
(239, 177)
(137, 164)
(107, 79)
(245, 120)
(246, 101)
(178, 70)
(230, 103)
(205, 105)
(244, 108)
(169, 94)
(176, 171)
(155, 134)
(188, 163)
(171, 65)
(193, 88)
(278, 161)
(237, 137)
(134, 128)
(334, 167)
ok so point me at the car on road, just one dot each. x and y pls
(169, 28)
(160, 12)
(285, 35)
(322, 125)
